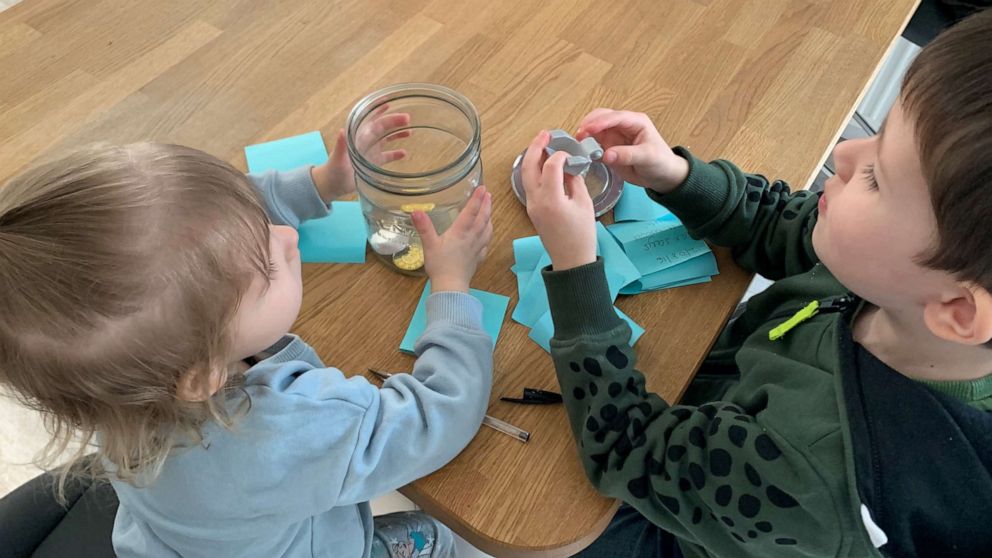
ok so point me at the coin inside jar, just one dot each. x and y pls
(410, 259)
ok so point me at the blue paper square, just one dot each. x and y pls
(493, 312)
(287, 153)
(635, 205)
(337, 238)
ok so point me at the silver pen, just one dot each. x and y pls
(491, 422)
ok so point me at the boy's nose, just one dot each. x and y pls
(846, 155)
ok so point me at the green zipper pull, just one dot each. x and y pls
(801, 316)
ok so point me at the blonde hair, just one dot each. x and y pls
(121, 268)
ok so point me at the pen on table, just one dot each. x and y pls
(491, 422)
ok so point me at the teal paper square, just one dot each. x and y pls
(493, 312)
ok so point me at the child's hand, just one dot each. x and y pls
(559, 206)
(335, 178)
(634, 148)
(450, 259)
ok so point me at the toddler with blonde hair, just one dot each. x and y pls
(146, 294)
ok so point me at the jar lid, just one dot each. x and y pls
(604, 184)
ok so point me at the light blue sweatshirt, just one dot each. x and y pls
(295, 475)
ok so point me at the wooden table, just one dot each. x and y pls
(766, 83)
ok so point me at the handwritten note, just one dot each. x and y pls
(656, 245)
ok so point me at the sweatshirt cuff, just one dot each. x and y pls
(580, 300)
(455, 308)
(292, 197)
(701, 199)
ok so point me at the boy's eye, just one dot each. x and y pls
(272, 269)
(869, 174)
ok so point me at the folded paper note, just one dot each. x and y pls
(690, 272)
(656, 245)
(533, 296)
(620, 270)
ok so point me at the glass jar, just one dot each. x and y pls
(414, 147)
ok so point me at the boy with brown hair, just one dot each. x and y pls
(859, 428)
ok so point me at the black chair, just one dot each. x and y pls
(34, 525)
(933, 16)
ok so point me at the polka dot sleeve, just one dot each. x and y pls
(712, 475)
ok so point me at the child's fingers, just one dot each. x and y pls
(484, 217)
(487, 234)
(553, 177)
(470, 212)
(630, 123)
(530, 167)
(390, 156)
(592, 116)
(380, 111)
(482, 238)
(425, 228)
(576, 186)
(340, 148)
(390, 122)
(399, 135)
(627, 155)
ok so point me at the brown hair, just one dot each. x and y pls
(121, 268)
(948, 92)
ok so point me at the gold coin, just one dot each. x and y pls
(411, 207)
(411, 259)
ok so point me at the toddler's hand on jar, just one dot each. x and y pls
(336, 178)
(559, 206)
(373, 137)
(450, 259)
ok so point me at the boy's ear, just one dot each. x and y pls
(197, 385)
(964, 316)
